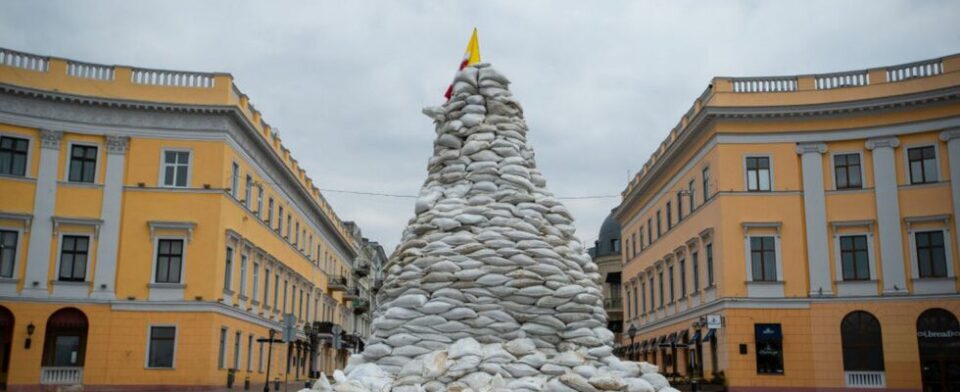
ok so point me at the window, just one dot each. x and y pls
(235, 180)
(13, 156)
(260, 357)
(763, 259)
(276, 290)
(8, 253)
(626, 251)
(280, 221)
(634, 302)
(652, 304)
(706, 184)
(659, 231)
(649, 231)
(266, 286)
(284, 296)
(270, 212)
(73, 258)
(672, 283)
(641, 239)
(679, 206)
(236, 351)
(931, 254)
(636, 244)
(228, 272)
(692, 194)
(923, 164)
(769, 339)
(250, 353)
(248, 192)
(260, 201)
(846, 171)
(862, 342)
(758, 174)
(176, 168)
(256, 281)
(83, 164)
(683, 278)
(695, 265)
(222, 355)
(709, 250)
(669, 216)
(854, 256)
(296, 234)
(243, 275)
(162, 347)
(289, 221)
(660, 276)
(169, 261)
(615, 245)
(643, 296)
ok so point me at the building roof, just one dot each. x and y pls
(608, 242)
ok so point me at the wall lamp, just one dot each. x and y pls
(30, 329)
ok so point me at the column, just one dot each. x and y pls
(41, 228)
(108, 245)
(815, 217)
(888, 214)
(952, 137)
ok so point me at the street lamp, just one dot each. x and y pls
(632, 333)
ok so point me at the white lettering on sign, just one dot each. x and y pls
(938, 334)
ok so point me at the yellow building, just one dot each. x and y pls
(800, 233)
(154, 230)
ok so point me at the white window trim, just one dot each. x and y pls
(871, 256)
(91, 245)
(228, 283)
(746, 177)
(749, 261)
(833, 171)
(248, 191)
(30, 144)
(176, 339)
(255, 278)
(234, 179)
(244, 261)
(160, 174)
(947, 250)
(250, 341)
(259, 211)
(96, 168)
(183, 259)
(906, 162)
(16, 254)
(223, 351)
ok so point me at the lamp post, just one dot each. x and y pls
(632, 333)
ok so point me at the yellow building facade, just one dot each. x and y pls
(154, 231)
(800, 233)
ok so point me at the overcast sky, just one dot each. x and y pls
(602, 83)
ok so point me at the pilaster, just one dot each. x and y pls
(952, 137)
(108, 245)
(815, 217)
(888, 214)
(41, 227)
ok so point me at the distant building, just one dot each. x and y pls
(815, 219)
(606, 253)
(153, 229)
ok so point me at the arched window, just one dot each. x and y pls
(938, 335)
(862, 342)
(66, 338)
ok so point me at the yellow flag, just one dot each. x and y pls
(470, 57)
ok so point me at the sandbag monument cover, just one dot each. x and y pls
(490, 289)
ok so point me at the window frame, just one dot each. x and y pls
(833, 172)
(259, 211)
(947, 253)
(149, 344)
(234, 179)
(756, 346)
(69, 162)
(228, 271)
(936, 161)
(86, 268)
(248, 191)
(746, 173)
(705, 180)
(708, 262)
(839, 255)
(854, 344)
(163, 166)
(27, 163)
(776, 258)
(14, 276)
(223, 342)
(156, 255)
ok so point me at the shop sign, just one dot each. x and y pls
(714, 321)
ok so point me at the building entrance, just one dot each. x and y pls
(6, 340)
(938, 334)
(64, 347)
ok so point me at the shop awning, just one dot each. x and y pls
(613, 277)
(711, 334)
(696, 337)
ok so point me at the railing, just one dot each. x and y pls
(842, 79)
(27, 61)
(864, 379)
(163, 78)
(61, 375)
(613, 303)
(765, 85)
(337, 283)
(90, 71)
(919, 69)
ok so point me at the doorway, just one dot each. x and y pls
(6, 340)
(938, 337)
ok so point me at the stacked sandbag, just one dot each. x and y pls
(489, 285)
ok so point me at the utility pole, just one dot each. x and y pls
(269, 341)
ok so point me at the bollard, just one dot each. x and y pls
(276, 384)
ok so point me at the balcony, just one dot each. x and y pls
(337, 283)
(61, 375)
(326, 329)
(865, 379)
(614, 304)
(360, 306)
(351, 294)
(362, 269)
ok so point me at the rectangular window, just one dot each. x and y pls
(162, 346)
(228, 271)
(706, 184)
(307, 308)
(266, 286)
(758, 174)
(280, 221)
(260, 201)
(83, 164)
(300, 305)
(235, 180)
(176, 167)
(931, 254)
(854, 257)
(692, 194)
(643, 297)
(8, 253)
(642, 246)
(695, 265)
(679, 206)
(169, 260)
(923, 164)
(649, 231)
(669, 216)
(73, 258)
(672, 283)
(846, 171)
(769, 348)
(683, 278)
(628, 303)
(276, 291)
(256, 281)
(222, 355)
(289, 221)
(284, 296)
(660, 273)
(260, 357)
(248, 192)
(659, 226)
(236, 351)
(270, 212)
(635, 302)
(709, 250)
(763, 259)
(243, 275)
(250, 353)
(296, 235)
(13, 156)
(636, 244)
(652, 304)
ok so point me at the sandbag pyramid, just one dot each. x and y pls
(490, 290)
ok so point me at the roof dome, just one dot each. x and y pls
(608, 242)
